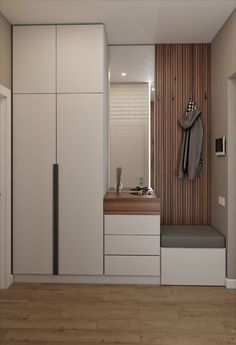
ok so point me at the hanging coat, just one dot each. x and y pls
(190, 161)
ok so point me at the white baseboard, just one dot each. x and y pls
(230, 283)
(70, 279)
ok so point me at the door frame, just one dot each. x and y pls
(6, 277)
(231, 145)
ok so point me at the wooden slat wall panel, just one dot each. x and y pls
(182, 70)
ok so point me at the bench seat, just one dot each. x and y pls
(191, 236)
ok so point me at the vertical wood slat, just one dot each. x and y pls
(181, 70)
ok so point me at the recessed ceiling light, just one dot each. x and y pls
(153, 89)
(123, 74)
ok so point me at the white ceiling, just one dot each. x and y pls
(136, 61)
(129, 21)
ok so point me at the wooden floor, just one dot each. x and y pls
(50, 314)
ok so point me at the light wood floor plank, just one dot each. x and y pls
(69, 314)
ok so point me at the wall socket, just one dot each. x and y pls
(221, 201)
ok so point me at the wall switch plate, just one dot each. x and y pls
(221, 201)
(220, 146)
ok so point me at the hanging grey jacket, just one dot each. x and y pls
(190, 161)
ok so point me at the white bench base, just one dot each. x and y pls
(193, 266)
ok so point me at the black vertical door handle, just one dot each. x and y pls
(55, 218)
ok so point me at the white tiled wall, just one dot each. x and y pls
(129, 119)
(129, 101)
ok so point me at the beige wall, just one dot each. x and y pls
(5, 52)
(223, 64)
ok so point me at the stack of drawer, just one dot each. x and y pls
(132, 245)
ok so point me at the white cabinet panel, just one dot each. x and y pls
(34, 54)
(132, 245)
(193, 266)
(132, 265)
(33, 158)
(80, 58)
(132, 224)
(80, 159)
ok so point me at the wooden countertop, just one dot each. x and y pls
(126, 203)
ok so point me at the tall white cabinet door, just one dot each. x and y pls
(33, 158)
(80, 159)
(80, 58)
(34, 59)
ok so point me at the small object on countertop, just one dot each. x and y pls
(141, 191)
(135, 189)
(138, 188)
(119, 185)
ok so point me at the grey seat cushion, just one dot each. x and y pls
(191, 236)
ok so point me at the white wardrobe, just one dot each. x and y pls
(59, 119)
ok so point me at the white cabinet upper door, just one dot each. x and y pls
(80, 159)
(33, 158)
(34, 59)
(80, 58)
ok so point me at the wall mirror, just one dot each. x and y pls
(131, 116)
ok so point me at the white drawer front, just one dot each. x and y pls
(132, 265)
(132, 245)
(132, 224)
